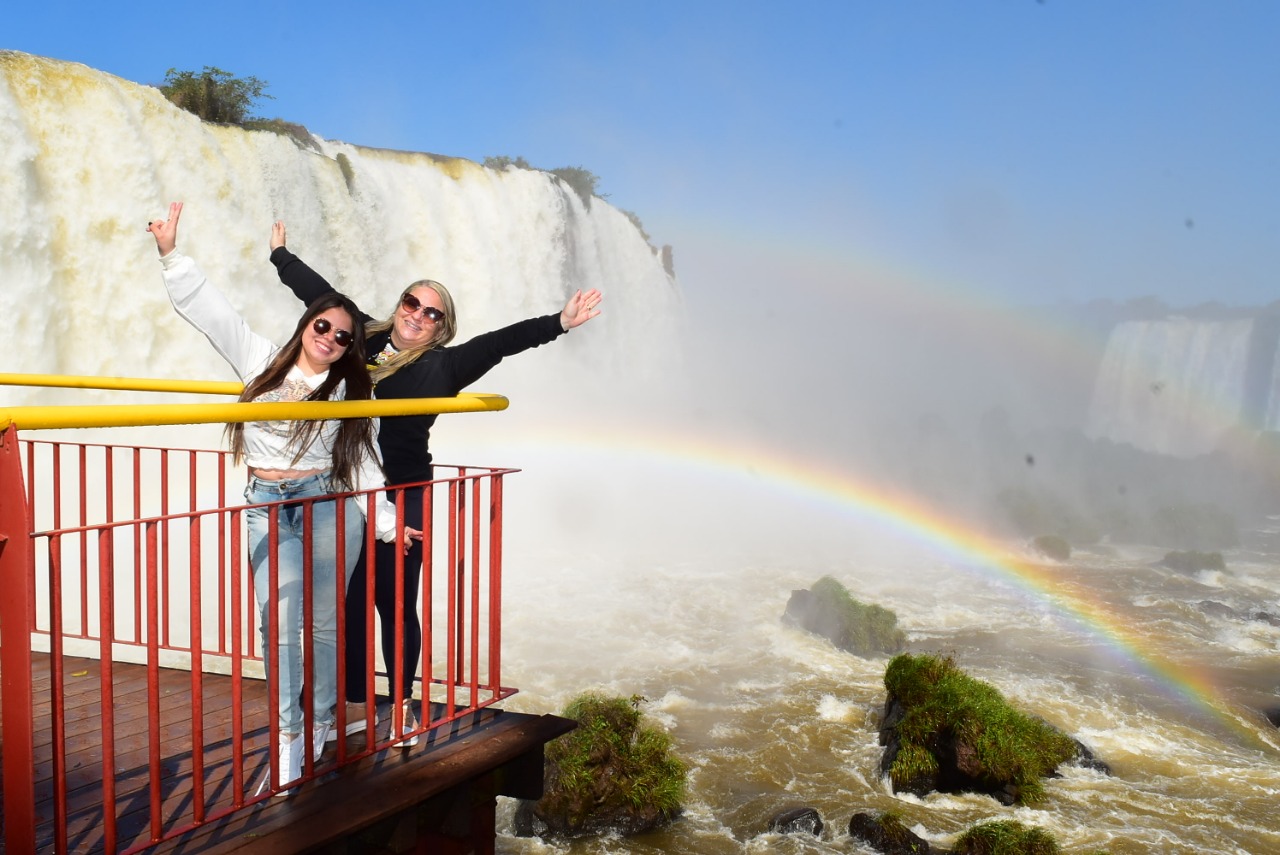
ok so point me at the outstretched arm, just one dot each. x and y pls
(582, 307)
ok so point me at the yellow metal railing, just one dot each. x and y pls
(128, 384)
(135, 415)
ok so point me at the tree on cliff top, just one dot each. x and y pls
(213, 94)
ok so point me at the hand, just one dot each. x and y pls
(166, 231)
(277, 235)
(580, 309)
(410, 535)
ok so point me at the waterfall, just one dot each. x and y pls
(86, 159)
(675, 593)
(1178, 386)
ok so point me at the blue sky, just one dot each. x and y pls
(1017, 151)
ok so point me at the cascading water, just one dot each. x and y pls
(87, 159)
(646, 556)
(1175, 386)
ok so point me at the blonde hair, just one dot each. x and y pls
(445, 329)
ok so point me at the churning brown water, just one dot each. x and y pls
(768, 717)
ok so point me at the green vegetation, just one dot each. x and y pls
(611, 768)
(502, 162)
(829, 610)
(635, 221)
(581, 181)
(213, 94)
(999, 743)
(298, 133)
(1005, 837)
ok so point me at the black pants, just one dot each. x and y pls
(384, 601)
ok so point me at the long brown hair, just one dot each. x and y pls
(355, 436)
(445, 330)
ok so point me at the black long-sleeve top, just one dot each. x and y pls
(441, 372)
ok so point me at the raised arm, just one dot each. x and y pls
(307, 285)
(204, 306)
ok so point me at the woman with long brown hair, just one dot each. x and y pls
(291, 461)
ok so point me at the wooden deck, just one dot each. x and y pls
(365, 806)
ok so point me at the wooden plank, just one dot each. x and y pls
(489, 742)
(387, 784)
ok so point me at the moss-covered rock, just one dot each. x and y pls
(1052, 546)
(885, 832)
(1005, 837)
(829, 610)
(612, 774)
(1193, 562)
(945, 731)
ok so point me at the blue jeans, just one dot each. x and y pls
(327, 566)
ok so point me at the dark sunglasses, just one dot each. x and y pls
(413, 305)
(342, 337)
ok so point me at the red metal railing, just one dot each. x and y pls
(130, 554)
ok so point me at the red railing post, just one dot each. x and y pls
(495, 584)
(428, 597)
(458, 537)
(16, 590)
(147, 547)
(476, 558)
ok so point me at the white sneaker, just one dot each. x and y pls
(319, 733)
(355, 722)
(289, 766)
(408, 728)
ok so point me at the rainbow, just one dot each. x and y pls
(909, 518)
(934, 305)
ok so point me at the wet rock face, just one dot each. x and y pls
(886, 834)
(801, 820)
(533, 820)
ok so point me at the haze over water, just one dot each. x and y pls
(682, 473)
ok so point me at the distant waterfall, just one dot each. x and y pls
(86, 159)
(1178, 386)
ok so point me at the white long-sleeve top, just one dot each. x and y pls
(266, 444)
